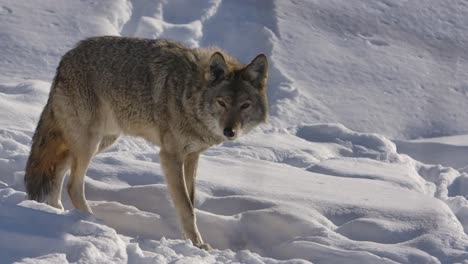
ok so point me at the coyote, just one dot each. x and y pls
(184, 100)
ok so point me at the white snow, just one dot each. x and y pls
(302, 189)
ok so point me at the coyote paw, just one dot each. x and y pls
(204, 246)
(56, 204)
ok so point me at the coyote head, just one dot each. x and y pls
(235, 98)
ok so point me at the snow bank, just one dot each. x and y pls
(36, 233)
(390, 67)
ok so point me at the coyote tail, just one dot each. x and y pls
(48, 150)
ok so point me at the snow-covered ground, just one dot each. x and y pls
(301, 189)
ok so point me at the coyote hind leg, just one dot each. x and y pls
(55, 196)
(81, 158)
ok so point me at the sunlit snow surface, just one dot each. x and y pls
(301, 189)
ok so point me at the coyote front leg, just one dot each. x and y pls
(172, 165)
(190, 173)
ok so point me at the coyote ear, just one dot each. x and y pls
(217, 68)
(257, 71)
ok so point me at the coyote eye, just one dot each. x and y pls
(221, 103)
(245, 105)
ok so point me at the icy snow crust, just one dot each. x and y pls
(290, 192)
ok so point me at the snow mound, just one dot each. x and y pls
(38, 233)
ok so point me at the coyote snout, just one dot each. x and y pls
(184, 100)
(230, 133)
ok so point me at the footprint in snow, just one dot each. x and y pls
(377, 42)
(6, 10)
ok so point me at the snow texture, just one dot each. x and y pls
(305, 188)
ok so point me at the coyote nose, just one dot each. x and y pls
(229, 132)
